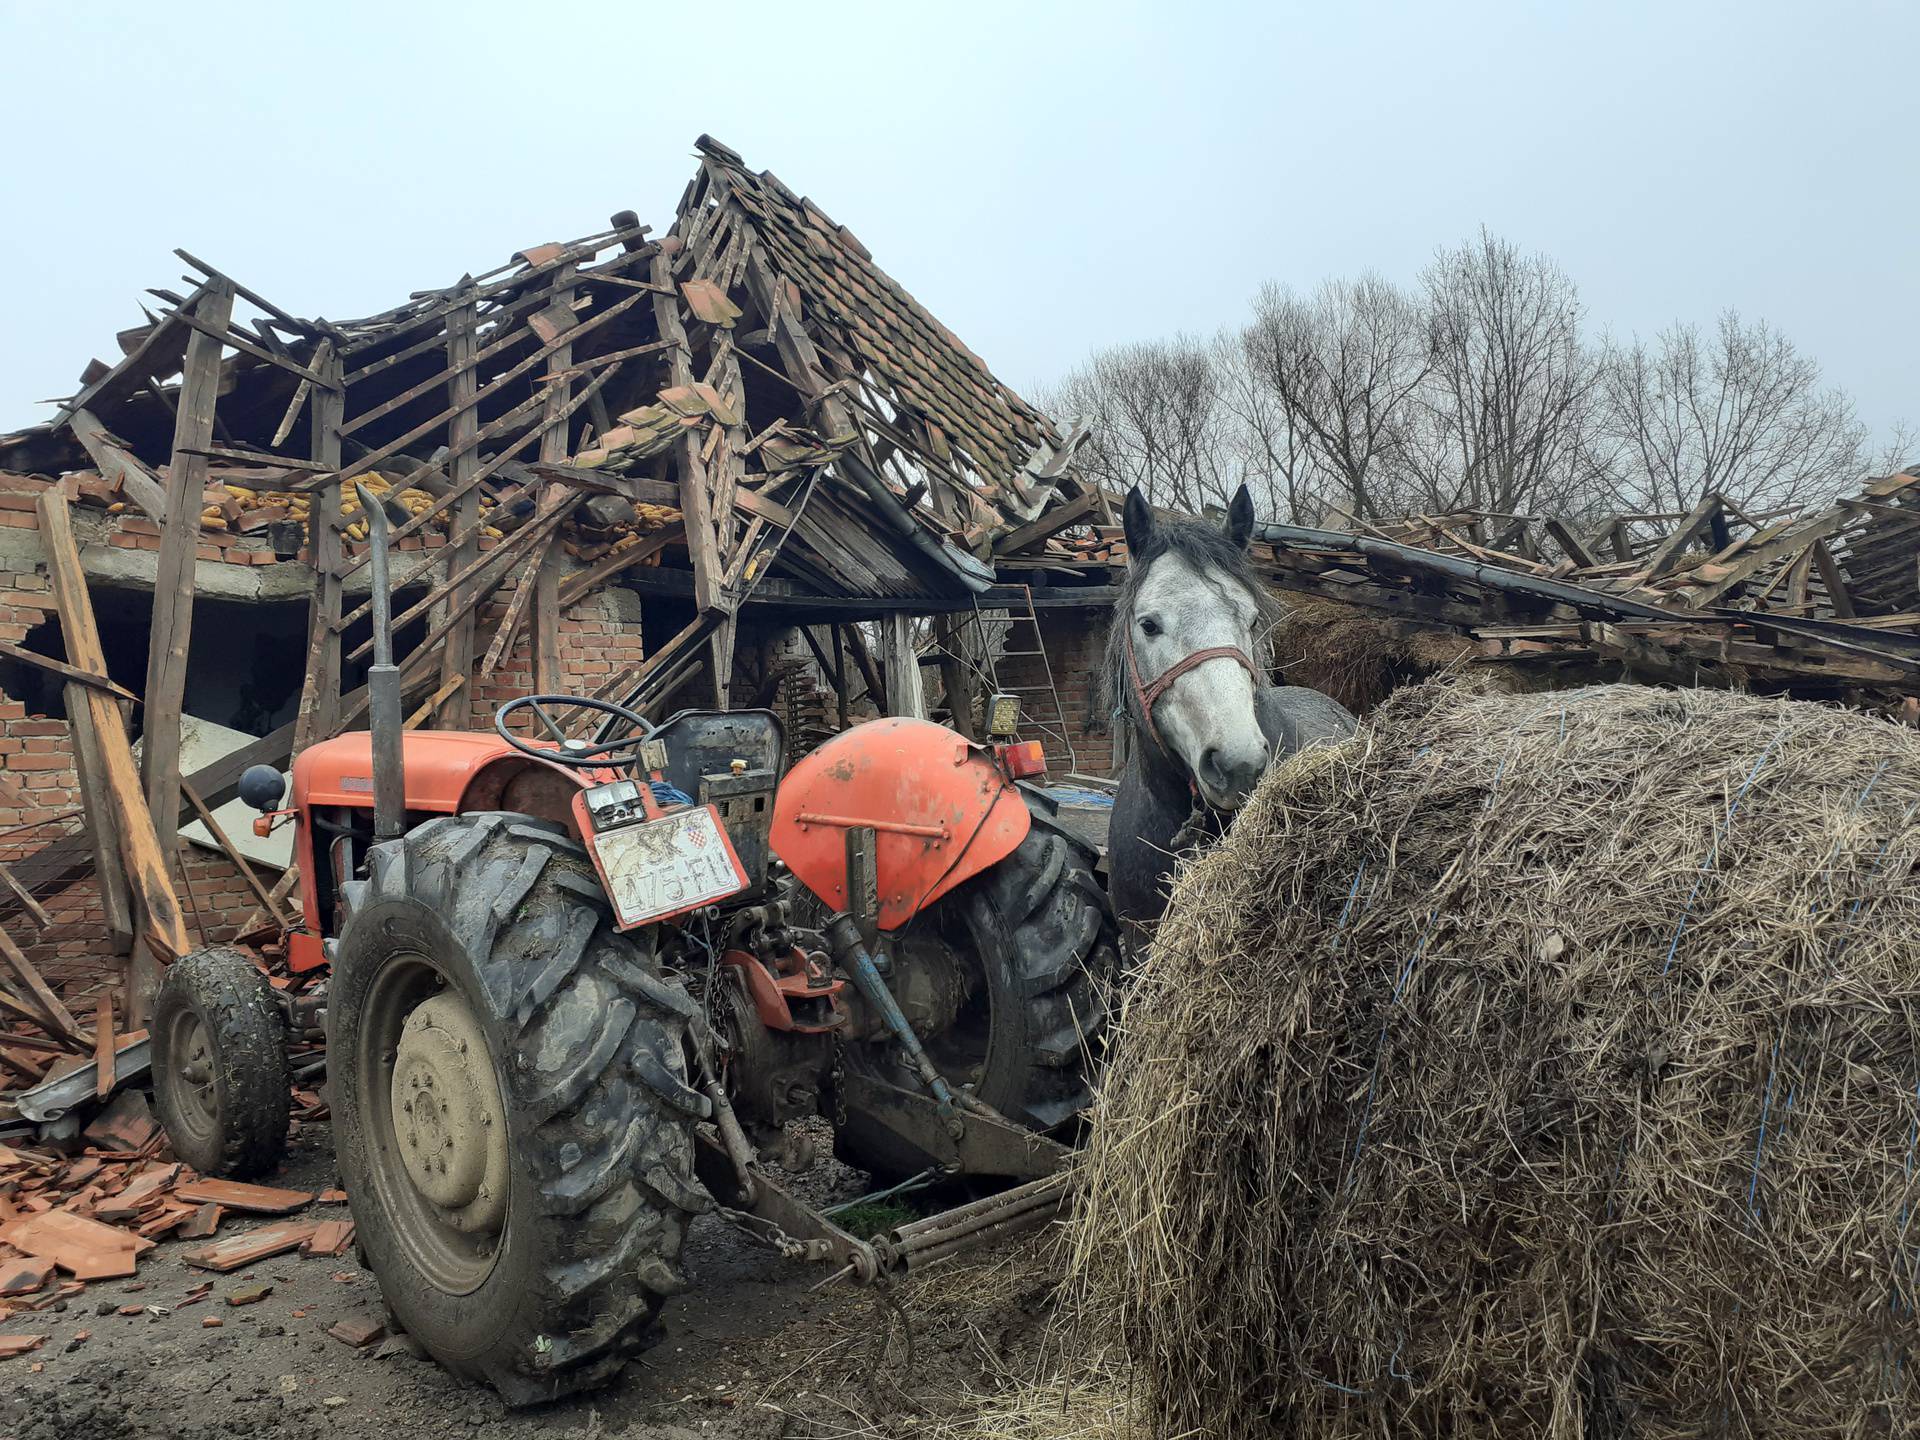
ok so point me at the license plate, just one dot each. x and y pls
(667, 866)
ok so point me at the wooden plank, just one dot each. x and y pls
(173, 588)
(149, 876)
(373, 459)
(1570, 543)
(547, 674)
(25, 896)
(319, 713)
(119, 467)
(326, 376)
(580, 585)
(73, 674)
(695, 495)
(1830, 577)
(1757, 557)
(516, 611)
(226, 845)
(463, 390)
(37, 996)
(158, 353)
(502, 556)
(433, 702)
(103, 1048)
(1668, 554)
(905, 693)
(1050, 523)
(501, 459)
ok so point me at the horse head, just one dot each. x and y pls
(1186, 649)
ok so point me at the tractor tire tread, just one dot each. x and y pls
(249, 1041)
(611, 1161)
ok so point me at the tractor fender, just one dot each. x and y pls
(942, 813)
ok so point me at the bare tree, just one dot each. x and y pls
(1158, 422)
(1739, 411)
(1901, 452)
(1507, 409)
(1342, 368)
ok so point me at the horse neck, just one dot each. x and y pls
(1162, 776)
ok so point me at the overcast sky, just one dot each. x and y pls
(1045, 178)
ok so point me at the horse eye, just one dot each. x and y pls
(1149, 626)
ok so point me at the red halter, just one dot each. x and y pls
(1150, 694)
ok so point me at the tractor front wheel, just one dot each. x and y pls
(510, 1105)
(1032, 948)
(220, 1064)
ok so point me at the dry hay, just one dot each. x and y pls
(1357, 656)
(1530, 1066)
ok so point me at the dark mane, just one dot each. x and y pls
(1204, 547)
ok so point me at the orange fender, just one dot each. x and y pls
(941, 810)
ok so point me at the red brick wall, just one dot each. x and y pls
(1073, 637)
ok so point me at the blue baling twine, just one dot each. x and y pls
(665, 794)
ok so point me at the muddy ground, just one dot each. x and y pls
(748, 1352)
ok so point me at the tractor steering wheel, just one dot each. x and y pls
(614, 755)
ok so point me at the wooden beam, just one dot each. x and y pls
(232, 852)
(696, 503)
(1050, 523)
(463, 395)
(1830, 577)
(1570, 543)
(905, 693)
(38, 996)
(319, 713)
(579, 586)
(1757, 557)
(1697, 519)
(149, 874)
(72, 674)
(173, 586)
(103, 1048)
(25, 896)
(547, 675)
(120, 467)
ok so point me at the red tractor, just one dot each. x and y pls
(572, 1000)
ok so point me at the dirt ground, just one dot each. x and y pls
(749, 1353)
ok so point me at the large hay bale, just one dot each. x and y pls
(1360, 657)
(1531, 1066)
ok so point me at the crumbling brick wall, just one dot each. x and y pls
(39, 793)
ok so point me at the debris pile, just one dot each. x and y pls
(1530, 1065)
(70, 1219)
(1815, 605)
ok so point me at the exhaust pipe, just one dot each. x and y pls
(383, 681)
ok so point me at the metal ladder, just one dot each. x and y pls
(1040, 707)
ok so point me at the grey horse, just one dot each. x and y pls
(1185, 674)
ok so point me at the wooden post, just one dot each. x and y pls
(956, 678)
(319, 714)
(162, 931)
(174, 578)
(463, 388)
(901, 662)
(553, 450)
(840, 676)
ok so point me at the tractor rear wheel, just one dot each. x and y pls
(220, 1064)
(1034, 943)
(510, 1105)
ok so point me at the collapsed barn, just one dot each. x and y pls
(735, 463)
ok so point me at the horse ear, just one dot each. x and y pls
(1136, 521)
(1240, 518)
